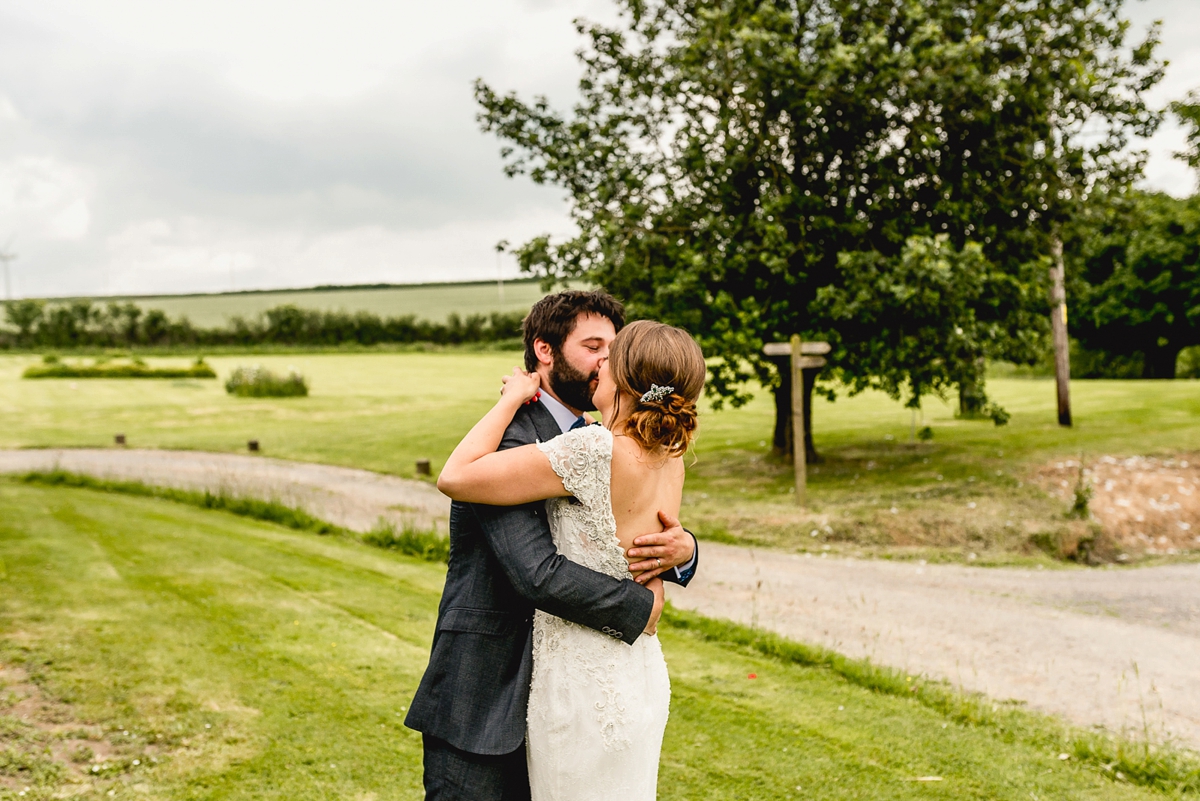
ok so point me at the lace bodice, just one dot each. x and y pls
(583, 525)
(597, 706)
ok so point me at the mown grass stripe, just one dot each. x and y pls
(1159, 766)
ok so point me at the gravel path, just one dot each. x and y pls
(355, 499)
(1118, 647)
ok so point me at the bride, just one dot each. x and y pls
(597, 707)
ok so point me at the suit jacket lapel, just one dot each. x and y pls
(543, 422)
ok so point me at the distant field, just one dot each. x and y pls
(971, 493)
(428, 302)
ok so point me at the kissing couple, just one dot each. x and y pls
(546, 679)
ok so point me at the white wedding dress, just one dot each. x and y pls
(597, 707)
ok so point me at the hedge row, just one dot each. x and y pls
(83, 324)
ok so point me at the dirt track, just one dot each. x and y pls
(1102, 646)
(355, 499)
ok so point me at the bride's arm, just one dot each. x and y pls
(477, 473)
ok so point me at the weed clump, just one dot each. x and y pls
(259, 382)
(1083, 495)
(426, 544)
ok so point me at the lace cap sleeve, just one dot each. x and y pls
(583, 460)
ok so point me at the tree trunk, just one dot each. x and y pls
(1160, 362)
(1058, 327)
(810, 451)
(782, 441)
(971, 399)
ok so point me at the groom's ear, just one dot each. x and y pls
(543, 352)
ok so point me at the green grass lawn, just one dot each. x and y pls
(434, 302)
(384, 411)
(153, 650)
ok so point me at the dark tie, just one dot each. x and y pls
(580, 422)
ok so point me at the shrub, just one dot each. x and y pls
(1188, 365)
(259, 382)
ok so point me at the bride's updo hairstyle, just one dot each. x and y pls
(646, 355)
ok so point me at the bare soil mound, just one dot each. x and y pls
(1147, 505)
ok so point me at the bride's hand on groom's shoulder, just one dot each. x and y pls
(521, 385)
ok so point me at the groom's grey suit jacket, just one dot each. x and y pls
(503, 564)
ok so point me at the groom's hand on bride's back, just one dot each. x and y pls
(661, 551)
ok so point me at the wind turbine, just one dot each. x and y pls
(7, 256)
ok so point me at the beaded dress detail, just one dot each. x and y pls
(597, 707)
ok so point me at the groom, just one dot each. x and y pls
(470, 705)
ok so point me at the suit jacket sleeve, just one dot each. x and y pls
(520, 538)
(680, 576)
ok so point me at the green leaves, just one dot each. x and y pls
(1188, 112)
(1136, 272)
(911, 324)
(722, 155)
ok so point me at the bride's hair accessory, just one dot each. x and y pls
(656, 393)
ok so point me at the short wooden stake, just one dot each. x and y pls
(119, 439)
(423, 468)
(253, 445)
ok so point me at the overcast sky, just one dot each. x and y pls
(154, 147)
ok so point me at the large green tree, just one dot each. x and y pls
(1137, 278)
(723, 154)
(913, 324)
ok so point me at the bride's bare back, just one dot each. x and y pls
(642, 484)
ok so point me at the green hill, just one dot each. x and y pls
(434, 302)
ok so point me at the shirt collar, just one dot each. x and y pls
(561, 414)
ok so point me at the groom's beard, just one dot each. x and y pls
(573, 387)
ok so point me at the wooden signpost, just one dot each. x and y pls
(804, 356)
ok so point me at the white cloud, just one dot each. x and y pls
(152, 147)
(194, 254)
(1180, 46)
(43, 198)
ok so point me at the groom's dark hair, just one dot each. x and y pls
(552, 319)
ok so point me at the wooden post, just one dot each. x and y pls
(799, 457)
(423, 468)
(1058, 327)
(800, 356)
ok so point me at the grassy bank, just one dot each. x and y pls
(158, 650)
(974, 489)
(426, 544)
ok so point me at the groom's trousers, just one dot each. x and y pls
(455, 775)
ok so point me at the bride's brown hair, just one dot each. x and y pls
(644, 355)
